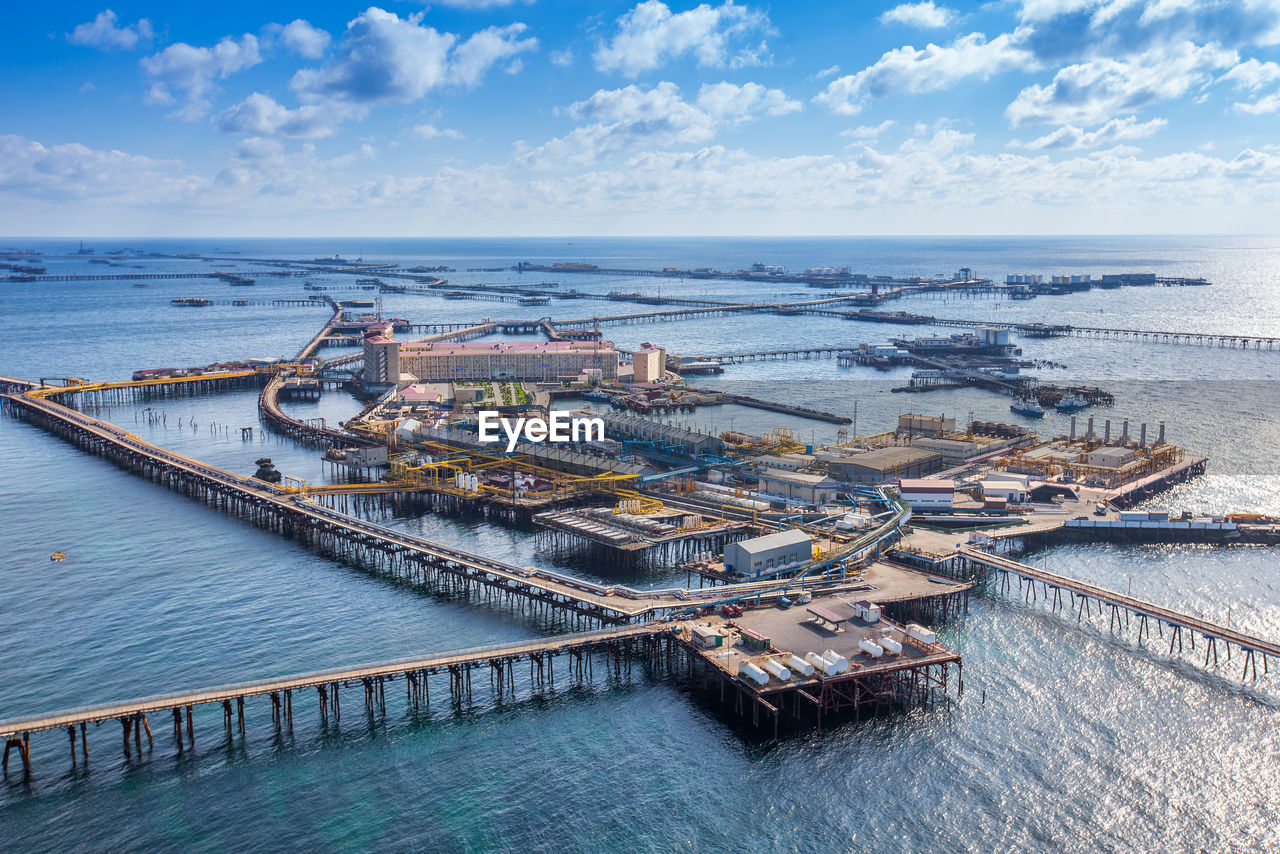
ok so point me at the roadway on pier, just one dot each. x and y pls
(1138, 606)
(380, 670)
(625, 602)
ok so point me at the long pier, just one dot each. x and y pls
(620, 644)
(1050, 330)
(1087, 599)
(408, 558)
(109, 277)
(772, 355)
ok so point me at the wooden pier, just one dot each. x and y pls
(618, 646)
(1088, 601)
(409, 559)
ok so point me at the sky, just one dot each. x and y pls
(533, 117)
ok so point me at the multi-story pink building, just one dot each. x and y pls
(444, 361)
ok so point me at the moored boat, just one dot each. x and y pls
(1027, 407)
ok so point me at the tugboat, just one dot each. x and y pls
(1071, 403)
(1027, 407)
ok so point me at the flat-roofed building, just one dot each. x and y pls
(768, 554)
(925, 425)
(381, 356)
(546, 361)
(648, 363)
(884, 464)
(798, 486)
(925, 493)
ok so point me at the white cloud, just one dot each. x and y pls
(102, 32)
(867, 132)
(1068, 30)
(939, 144)
(627, 118)
(1262, 106)
(194, 70)
(485, 49)
(937, 184)
(73, 172)
(1072, 138)
(383, 58)
(1252, 74)
(734, 104)
(430, 131)
(925, 16)
(1095, 91)
(829, 71)
(906, 70)
(649, 35)
(302, 38)
(562, 58)
(260, 114)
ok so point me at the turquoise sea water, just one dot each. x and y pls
(1066, 739)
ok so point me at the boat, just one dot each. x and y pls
(1027, 407)
(58, 557)
(191, 301)
(140, 284)
(239, 302)
(1071, 403)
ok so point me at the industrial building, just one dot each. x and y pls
(910, 424)
(768, 554)
(798, 486)
(884, 464)
(1009, 491)
(546, 361)
(667, 437)
(928, 493)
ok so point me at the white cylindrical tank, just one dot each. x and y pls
(777, 670)
(920, 633)
(891, 645)
(820, 663)
(837, 660)
(753, 673)
(799, 665)
(871, 648)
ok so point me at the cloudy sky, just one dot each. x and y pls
(533, 117)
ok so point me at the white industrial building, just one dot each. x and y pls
(768, 554)
(933, 493)
(1009, 491)
(798, 486)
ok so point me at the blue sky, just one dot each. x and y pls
(470, 117)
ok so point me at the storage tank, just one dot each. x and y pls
(920, 633)
(871, 648)
(755, 674)
(827, 668)
(841, 663)
(890, 645)
(800, 666)
(776, 670)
